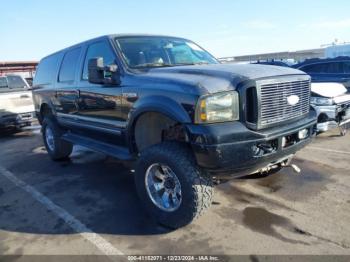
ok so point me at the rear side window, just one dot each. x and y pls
(325, 68)
(315, 68)
(100, 49)
(46, 70)
(335, 68)
(16, 82)
(69, 65)
(3, 82)
(346, 67)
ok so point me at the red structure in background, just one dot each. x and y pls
(24, 68)
(18, 67)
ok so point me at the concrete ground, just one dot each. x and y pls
(89, 206)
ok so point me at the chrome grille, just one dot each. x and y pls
(274, 107)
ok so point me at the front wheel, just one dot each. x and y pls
(171, 186)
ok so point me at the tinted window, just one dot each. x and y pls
(183, 53)
(315, 68)
(346, 67)
(334, 68)
(3, 82)
(161, 51)
(69, 65)
(46, 70)
(100, 49)
(16, 82)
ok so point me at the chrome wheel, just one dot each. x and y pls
(50, 141)
(163, 187)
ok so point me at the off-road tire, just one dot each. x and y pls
(62, 148)
(196, 185)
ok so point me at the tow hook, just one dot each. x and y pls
(342, 130)
(294, 167)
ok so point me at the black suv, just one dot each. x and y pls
(327, 70)
(168, 104)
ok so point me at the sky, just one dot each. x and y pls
(32, 29)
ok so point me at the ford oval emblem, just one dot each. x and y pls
(293, 100)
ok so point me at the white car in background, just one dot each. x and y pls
(16, 103)
(332, 104)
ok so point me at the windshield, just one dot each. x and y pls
(144, 52)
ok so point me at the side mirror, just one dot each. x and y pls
(100, 74)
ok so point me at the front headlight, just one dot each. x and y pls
(321, 101)
(219, 107)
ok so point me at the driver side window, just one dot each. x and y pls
(99, 49)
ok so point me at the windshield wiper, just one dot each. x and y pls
(197, 63)
(152, 65)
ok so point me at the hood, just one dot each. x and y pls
(330, 90)
(219, 77)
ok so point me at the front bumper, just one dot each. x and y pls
(16, 120)
(330, 117)
(233, 149)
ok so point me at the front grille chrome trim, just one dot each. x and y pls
(273, 107)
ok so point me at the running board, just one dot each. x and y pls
(119, 152)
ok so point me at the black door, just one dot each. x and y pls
(67, 92)
(99, 105)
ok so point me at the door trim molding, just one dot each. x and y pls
(111, 127)
(112, 123)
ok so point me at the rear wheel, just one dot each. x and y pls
(171, 186)
(57, 148)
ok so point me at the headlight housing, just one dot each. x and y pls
(220, 107)
(321, 101)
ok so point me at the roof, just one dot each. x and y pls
(111, 36)
(141, 35)
(319, 60)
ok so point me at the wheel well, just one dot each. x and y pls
(153, 128)
(45, 110)
(322, 118)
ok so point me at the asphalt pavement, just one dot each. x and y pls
(88, 206)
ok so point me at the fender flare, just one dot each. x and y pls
(158, 104)
(43, 104)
